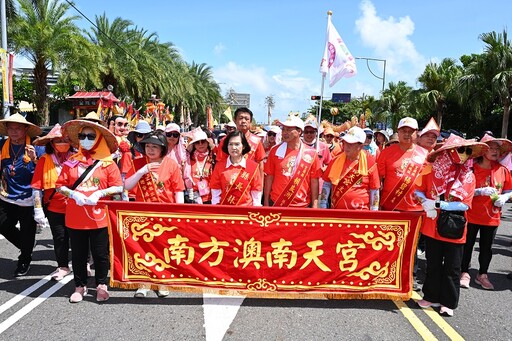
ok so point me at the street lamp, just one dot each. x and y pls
(383, 78)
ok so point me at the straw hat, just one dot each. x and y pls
(454, 142)
(198, 135)
(93, 116)
(52, 134)
(393, 139)
(73, 127)
(505, 145)
(32, 131)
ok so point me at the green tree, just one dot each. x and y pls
(45, 33)
(395, 102)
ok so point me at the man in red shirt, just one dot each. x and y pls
(292, 170)
(310, 138)
(427, 138)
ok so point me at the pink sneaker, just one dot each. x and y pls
(78, 295)
(60, 273)
(465, 278)
(102, 293)
(427, 304)
(484, 282)
(445, 311)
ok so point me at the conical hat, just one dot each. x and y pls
(54, 133)
(32, 131)
(73, 127)
(505, 145)
(431, 127)
(453, 142)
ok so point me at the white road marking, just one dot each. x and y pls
(33, 304)
(24, 294)
(219, 311)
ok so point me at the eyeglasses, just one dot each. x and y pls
(139, 135)
(200, 141)
(174, 134)
(467, 150)
(271, 134)
(82, 136)
(120, 124)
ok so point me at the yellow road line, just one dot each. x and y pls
(439, 320)
(424, 332)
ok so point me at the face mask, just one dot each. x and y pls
(87, 144)
(61, 147)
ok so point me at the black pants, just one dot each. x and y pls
(23, 238)
(487, 234)
(60, 237)
(442, 282)
(98, 240)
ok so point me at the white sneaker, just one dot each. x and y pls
(141, 293)
(162, 292)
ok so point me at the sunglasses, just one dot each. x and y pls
(271, 134)
(139, 135)
(119, 124)
(467, 150)
(172, 134)
(82, 136)
(200, 141)
(309, 131)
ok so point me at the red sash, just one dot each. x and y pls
(254, 141)
(238, 188)
(303, 168)
(348, 180)
(411, 173)
(146, 185)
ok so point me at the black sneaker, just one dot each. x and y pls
(21, 269)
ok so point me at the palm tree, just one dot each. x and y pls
(439, 82)
(490, 74)
(395, 101)
(44, 32)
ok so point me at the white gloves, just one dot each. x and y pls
(79, 198)
(502, 199)
(428, 204)
(93, 198)
(488, 191)
(39, 216)
(432, 214)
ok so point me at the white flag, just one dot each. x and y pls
(337, 59)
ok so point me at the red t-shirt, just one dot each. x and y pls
(223, 178)
(392, 162)
(483, 212)
(58, 202)
(282, 169)
(358, 196)
(88, 217)
(257, 155)
(429, 227)
(168, 181)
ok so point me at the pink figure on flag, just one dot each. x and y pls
(337, 59)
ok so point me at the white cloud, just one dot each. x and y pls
(219, 49)
(390, 39)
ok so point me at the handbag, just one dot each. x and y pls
(451, 224)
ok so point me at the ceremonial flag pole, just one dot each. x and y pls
(337, 60)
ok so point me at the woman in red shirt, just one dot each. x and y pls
(85, 219)
(237, 180)
(493, 189)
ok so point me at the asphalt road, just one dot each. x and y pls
(33, 307)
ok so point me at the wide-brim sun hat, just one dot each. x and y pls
(32, 131)
(153, 139)
(198, 135)
(142, 127)
(505, 144)
(453, 142)
(384, 133)
(73, 127)
(52, 134)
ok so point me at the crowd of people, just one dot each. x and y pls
(61, 176)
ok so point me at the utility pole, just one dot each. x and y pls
(4, 46)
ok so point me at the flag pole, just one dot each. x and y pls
(319, 114)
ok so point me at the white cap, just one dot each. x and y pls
(354, 135)
(293, 121)
(408, 122)
(231, 124)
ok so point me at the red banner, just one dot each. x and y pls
(263, 251)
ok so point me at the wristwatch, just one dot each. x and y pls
(438, 203)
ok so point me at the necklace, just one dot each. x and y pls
(12, 167)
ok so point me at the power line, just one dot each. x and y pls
(100, 31)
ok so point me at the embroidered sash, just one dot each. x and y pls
(347, 181)
(408, 179)
(306, 157)
(241, 184)
(146, 185)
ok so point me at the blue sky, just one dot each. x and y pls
(274, 47)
